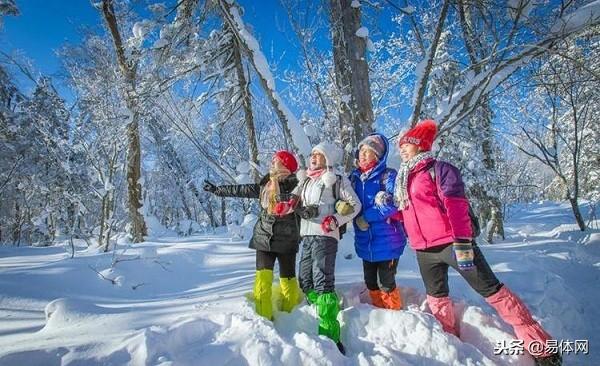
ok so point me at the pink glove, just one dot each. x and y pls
(329, 224)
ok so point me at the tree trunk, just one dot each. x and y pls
(128, 70)
(244, 87)
(577, 213)
(475, 51)
(134, 187)
(355, 108)
(223, 212)
(16, 232)
(102, 220)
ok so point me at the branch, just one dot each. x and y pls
(423, 77)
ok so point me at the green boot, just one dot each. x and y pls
(311, 297)
(262, 293)
(328, 308)
(290, 293)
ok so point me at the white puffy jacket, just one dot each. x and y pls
(319, 192)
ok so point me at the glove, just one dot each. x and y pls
(329, 224)
(284, 207)
(209, 187)
(362, 224)
(464, 256)
(343, 208)
(382, 199)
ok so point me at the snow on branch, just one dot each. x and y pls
(424, 67)
(467, 98)
(290, 123)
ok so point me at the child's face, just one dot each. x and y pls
(366, 155)
(317, 160)
(408, 151)
(276, 165)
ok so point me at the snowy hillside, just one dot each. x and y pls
(182, 301)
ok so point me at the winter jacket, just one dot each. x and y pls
(317, 192)
(385, 238)
(437, 214)
(271, 233)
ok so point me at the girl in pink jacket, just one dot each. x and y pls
(431, 197)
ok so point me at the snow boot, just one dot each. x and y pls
(514, 312)
(392, 300)
(376, 299)
(262, 293)
(554, 360)
(312, 296)
(290, 293)
(443, 310)
(328, 307)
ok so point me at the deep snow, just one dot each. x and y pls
(182, 301)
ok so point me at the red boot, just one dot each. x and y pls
(443, 310)
(513, 311)
(392, 300)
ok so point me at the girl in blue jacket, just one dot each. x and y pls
(379, 238)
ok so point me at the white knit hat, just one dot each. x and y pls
(331, 152)
(333, 157)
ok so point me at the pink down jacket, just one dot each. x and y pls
(438, 210)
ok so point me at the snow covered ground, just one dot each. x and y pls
(182, 301)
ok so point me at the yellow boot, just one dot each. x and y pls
(262, 293)
(290, 293)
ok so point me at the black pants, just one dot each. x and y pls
(434, 263)
(317, 264)
(287, 262)
(384, 270)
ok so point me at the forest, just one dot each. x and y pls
(166, 95)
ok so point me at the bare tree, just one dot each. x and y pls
(562, 113)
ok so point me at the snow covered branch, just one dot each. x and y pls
(291, 126)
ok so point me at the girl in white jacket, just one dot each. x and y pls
(325, 201)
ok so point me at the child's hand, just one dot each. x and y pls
(464, 255)
(281, 208)
(329, 224)
(362, 224)
(343, 208)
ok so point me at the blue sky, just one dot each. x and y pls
(45, 25)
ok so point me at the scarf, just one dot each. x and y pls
(401, 190)
(314, 174)
(269, 194)
(368, 166)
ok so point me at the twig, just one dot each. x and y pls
(160, 264)
(134, 287)
(111, 280)
(117, 260)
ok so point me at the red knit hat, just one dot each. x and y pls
(421, 135)
(287, 159)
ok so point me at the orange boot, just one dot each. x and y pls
(392, 300)
(376, 299)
